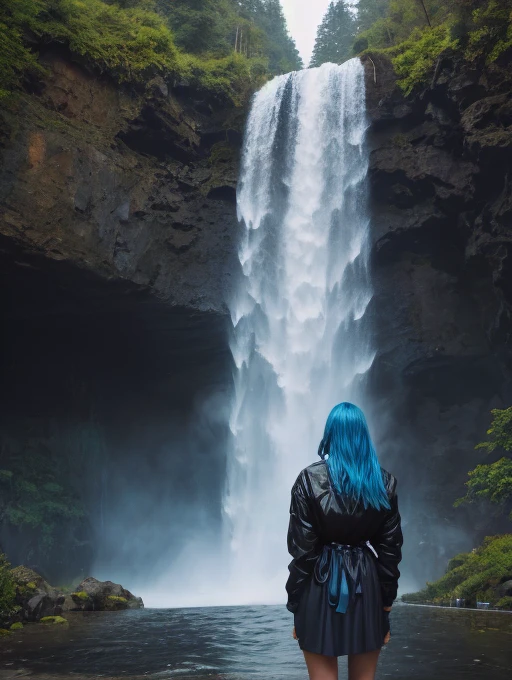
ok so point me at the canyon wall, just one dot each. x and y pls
(118, 237)
(441, 191)
(117, 251)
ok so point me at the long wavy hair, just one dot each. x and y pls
(351, 459)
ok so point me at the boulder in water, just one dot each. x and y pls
(35, 597)
(38, 600)
(96, 595)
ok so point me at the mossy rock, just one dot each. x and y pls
(81, 595)
(113, 602)
(17, 626)
(4, 632)
(53, 620)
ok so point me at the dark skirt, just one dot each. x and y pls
(322, 630)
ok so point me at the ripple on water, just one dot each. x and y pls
(253, 643)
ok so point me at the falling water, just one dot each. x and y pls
(300, 342)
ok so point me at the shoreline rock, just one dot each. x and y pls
(38, 600)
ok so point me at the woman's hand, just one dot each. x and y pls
(387, 638)
(294, 634)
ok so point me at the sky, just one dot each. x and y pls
(303, 18)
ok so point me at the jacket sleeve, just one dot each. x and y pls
(303, 544)
(388, 542)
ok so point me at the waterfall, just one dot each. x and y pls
(300, 341)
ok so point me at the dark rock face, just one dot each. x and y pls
(440, 170)
(122, 184)
(117, 248)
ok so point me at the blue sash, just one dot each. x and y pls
(342, 568)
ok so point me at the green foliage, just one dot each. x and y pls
(16, 59)
(282, 53)
(200, 25)
(7, 590)
(335, 35)
(415, 33)
(132, 44)
(33, 497)
(474, 576)
(230, 44)
(504, 603)
(414, 59)
(232, 77)
(369, 12)
(491, 32)
(493, 481)
(17, 626)
(500, 431)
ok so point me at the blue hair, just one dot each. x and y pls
(352, 461)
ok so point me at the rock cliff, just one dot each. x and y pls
(118, 235)
(132, 186)
(117, 249)
(441, 192)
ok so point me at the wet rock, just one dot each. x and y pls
(34, 596)
(94, 175)
(92, 594)
(38, 601)
(441, 197)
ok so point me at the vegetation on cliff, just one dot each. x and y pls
(415, 33)
(493, 481)
(485, 574)
(35, 498)
(227, 47)
(7, 590)
(482, 575)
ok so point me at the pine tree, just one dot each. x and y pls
(370, 11)
(283, 53)
(335, 35)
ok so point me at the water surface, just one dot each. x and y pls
(249, 643)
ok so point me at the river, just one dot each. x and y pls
(249, 643)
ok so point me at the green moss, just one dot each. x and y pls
(474, 576)
(4, 632)
(504, 603)
(8, 604)
(492, 31)
(116, 598)
(415, 59)
(17, 626)
(80, 595)
(53, 620)
(31, 585)
(130, 43)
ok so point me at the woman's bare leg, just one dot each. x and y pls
(321, 667)
(363, 666)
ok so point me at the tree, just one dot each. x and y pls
(283, 54)
(493, 481)
(370, 11)
(335, 35)
(200, 25)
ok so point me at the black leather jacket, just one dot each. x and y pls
(319, 516)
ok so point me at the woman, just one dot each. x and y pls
(339, 592)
